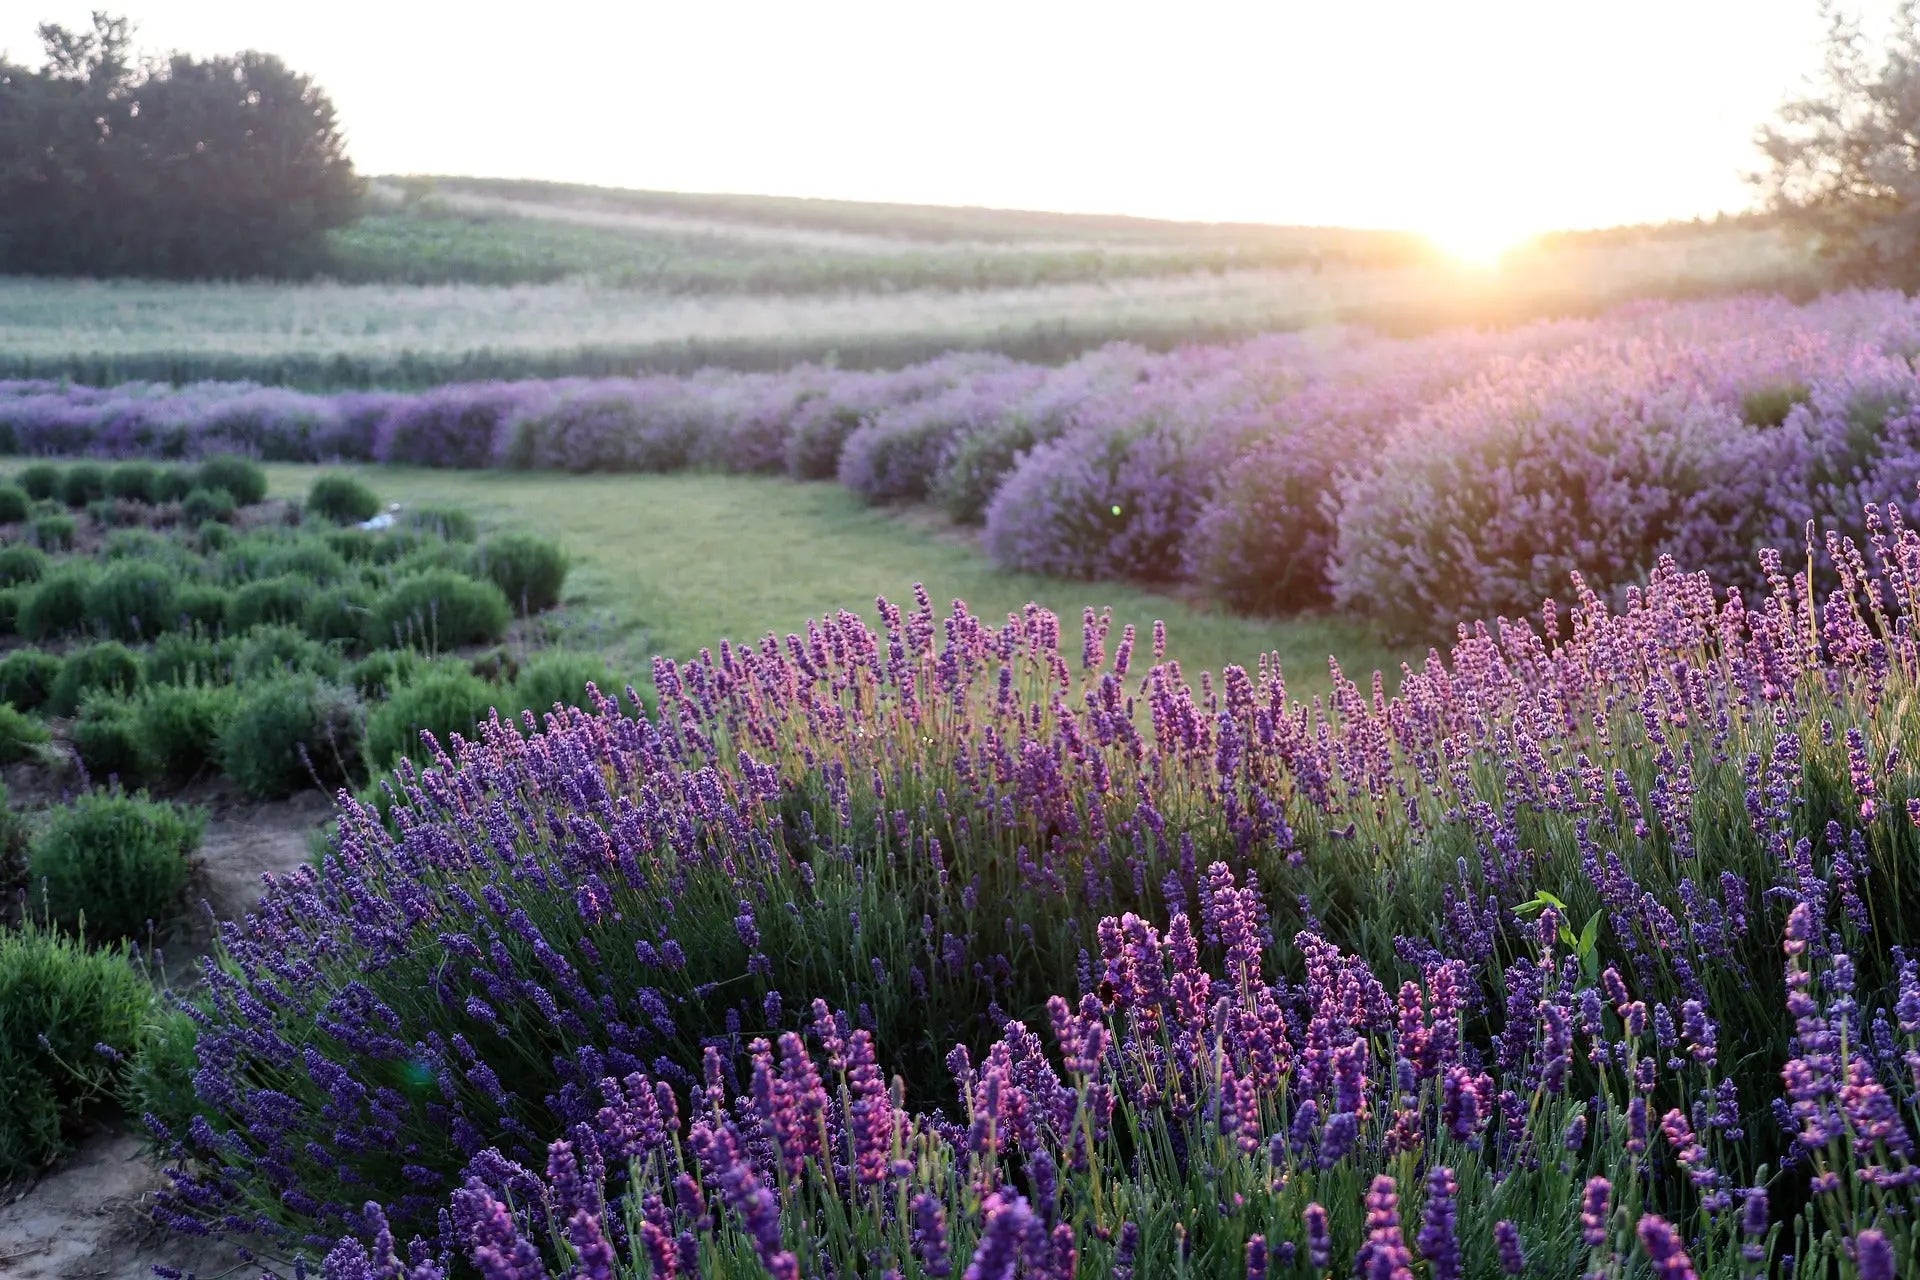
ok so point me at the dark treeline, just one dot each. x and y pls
(187, 167)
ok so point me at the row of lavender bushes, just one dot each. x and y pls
(1617, 894)
(1462, 474)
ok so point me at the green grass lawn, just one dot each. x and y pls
(671, 564)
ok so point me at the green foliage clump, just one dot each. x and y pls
(21, 563)
(187, 657)
(160, 1079)
(132, 599)
(41, 480)
(108, 738)
(243, 480)
(172, 484)
(377, 675)
(308, 557)
(83, 482)
(109, 668)
(54, 532)
(10, 598)
(115, 860)
(277, 599)
(59, 999)
(27, 677)
(441, 700)
(276, 647)
(291, 731)
(201, 605)
(20, 734)
(560, 676)
(528, 569)
(134, 482)
(212, 536)
(338, 614)
(342, 499)
(450, 523)
(203, 505)
(14, 504)
(179, 726)
(58, 604)
(438, 609)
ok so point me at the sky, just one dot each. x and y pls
(1459, 118)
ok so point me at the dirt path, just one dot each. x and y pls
(85, 1219)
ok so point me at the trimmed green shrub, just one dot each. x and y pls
(187, 657)
(201, 604)
(27, 677)
(338, 614)
(59, 999)
(54, 532)
(437, 609)
(20, 734)
(562, 677)
(342, 499)
(243, 480)
(110, 668)
(355, 546)
(450, 523)
(41, 480)
(58, 603)
(140, 544)
(21, 563)
(132, 599)
(280, 599)
(269, 650)
(172, 484)
(203, 505)
(434, 554)
(289, 732)
(108, 738)
(14, 504)
(212, 536)
(179, 727)
(82, 483)
(529, 570)
(160, 1078)
(117, 860)
(10, 598)
(309, 557)
(441, 700)
(377, 675)
(134, 482)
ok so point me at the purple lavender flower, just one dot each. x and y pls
(1665, 1249)
(1506, 1243)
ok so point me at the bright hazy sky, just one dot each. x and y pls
(1458, 117)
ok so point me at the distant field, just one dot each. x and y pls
(672, 564)
(501, 280)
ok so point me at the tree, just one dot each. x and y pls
(1845, 160)
(228, 166)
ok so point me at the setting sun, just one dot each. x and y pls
(1474, 242)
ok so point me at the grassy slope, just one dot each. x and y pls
(672, 564)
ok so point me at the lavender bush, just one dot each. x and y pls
(1608, 825)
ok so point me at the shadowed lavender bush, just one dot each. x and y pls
(896, 454)
(1206, 1120)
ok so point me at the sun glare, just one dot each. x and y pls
(1476, 243)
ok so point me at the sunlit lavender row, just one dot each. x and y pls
(1460, 474)
(1585, 953)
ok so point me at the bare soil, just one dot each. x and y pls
(86, 1217)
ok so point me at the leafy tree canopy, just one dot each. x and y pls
(185, 167)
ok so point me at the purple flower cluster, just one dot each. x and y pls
(1520, 919)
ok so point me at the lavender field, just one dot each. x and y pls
(1470, 473)
(938, 943)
